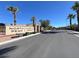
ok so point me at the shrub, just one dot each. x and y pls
(27, 33)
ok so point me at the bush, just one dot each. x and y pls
(27, 33)
(76, 29)
(32, 33)
(72, 27)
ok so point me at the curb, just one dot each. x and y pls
(17, 39)
(75, 32)
(76, 35)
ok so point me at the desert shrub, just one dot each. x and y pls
(25, 34)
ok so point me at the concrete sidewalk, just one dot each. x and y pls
(8, 39)
(5, 37)
(73, 32)
(76, 33)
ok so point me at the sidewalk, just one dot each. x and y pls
(76, 33)
(5, 37)
(8, 39)
(73, 32)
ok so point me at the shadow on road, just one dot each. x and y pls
(6, 50)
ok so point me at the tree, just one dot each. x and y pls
(49, 28)
(40, 25)
(13, 10)
(33, 22)
(44, 23)
(75, 7)
(70, 17)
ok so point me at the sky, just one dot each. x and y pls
(55, 11)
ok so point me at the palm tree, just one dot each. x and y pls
(13, 10)
(75, 7)
(33, 22)
(40, 24)
(70, 17)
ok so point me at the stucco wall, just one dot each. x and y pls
(10, 29)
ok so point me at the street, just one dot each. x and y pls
(57, 44)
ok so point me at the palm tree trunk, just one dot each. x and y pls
(14, 18)
(34, 25)
(78, 19)
(70, 24)
(40, 28)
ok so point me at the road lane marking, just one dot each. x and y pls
(17, 39)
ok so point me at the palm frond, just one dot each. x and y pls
(71, 16)
(75, 6)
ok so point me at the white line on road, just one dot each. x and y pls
(16, 39)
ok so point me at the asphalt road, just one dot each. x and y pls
(56, 44)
